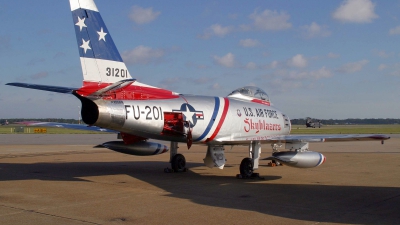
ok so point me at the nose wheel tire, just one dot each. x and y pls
(178, 163)
(246, 168)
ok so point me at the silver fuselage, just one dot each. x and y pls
(211, 119)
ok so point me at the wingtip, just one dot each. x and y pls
(12, 84)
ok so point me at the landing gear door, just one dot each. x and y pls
(215, 157)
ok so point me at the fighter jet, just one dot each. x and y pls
(114, 101)
(313, 124)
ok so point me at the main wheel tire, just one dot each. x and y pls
(178, 163)
(246, 167)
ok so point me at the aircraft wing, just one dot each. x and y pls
(303, 138)
(58, 89)
(67, 125)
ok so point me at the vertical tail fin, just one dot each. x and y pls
(100, 59)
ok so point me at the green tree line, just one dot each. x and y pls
(57, 120)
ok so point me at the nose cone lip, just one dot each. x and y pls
(323, 159)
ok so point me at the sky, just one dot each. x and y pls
(322, 59)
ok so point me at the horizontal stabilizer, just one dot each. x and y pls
(113, 87)
(63, 90)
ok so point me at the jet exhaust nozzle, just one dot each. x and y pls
(142, 148)
(306, 159)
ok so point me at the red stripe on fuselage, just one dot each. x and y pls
(221, 121)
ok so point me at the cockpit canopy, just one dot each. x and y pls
(249, 93)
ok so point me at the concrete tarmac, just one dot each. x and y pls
(63, 179)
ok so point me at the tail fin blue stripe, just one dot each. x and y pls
(93, 38)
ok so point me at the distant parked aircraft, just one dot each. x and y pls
(313, 124)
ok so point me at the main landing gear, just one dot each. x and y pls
(215, 158)
(178, 161)
(246, 168)
(248, 165)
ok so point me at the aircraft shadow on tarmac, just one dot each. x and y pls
(324, 203)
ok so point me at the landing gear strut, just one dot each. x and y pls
(248, 165)
(178, 161)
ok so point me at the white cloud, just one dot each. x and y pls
(333, 55)
(251, 66)
(266, 20)
(4, 43)
(198, 66)
(216, 30)
(203, 80)
(59, 55)
(284, 79)
(274, 64)
(286, 74)
(394, 69)
(143, 15)
(233, 16)
(353, 67)
(297, 61)
(215, 86)
(142, 55)
(284, 85)
(248, 43)
(245, 27)
(384, 54)
(40, 75)
(395, 30)
(314, 30)
(170, 80)
(270, 20)
(355, 11)
(227, 60)
(321, 73)
(382, 66)
(220, 31)
(35, 61)
(170, 83)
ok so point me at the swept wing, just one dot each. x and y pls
(303, 138)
